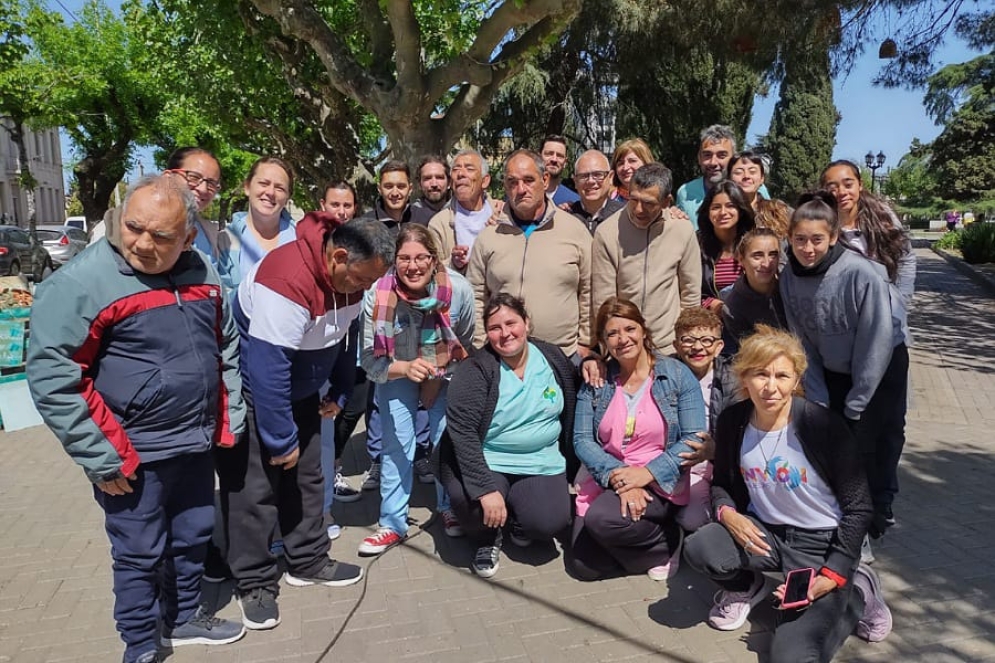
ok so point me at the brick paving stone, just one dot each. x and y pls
(423, 604)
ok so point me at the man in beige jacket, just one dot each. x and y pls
(645, 254)
(539, 253)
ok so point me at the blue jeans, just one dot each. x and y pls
(159, 534)
(398, 400)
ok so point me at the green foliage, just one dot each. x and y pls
(803, 129)
(912, 182)
(950, 240)
(977, 243)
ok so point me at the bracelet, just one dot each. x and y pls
(723, 509)
(832, 575)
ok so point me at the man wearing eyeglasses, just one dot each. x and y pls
(592, 174)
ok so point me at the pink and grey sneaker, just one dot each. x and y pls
(875, 624)
(669, 569)
(451, 524)
(732, 608)
(379, 542)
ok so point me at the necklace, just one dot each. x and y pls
(770, 454)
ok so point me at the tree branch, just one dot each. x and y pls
(300, 20)
(407, 39)
(473, 101)
(381, 39)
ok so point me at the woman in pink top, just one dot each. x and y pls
(629, 434)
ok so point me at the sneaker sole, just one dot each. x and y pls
(179, 642)
(348, 498)
(214, 580)
(754, 601)
(304, 582)
(489, 573)
(257, 626)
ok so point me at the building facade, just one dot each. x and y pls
(45, 157)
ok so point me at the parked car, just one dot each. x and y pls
(76, 222)
(62, 242)
(19, 254)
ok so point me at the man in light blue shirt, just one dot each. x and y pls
(718, 144)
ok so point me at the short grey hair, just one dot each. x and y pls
(170, 187)
(364, 239)
(718, 133)
(538, 160)
(485, 168)
(654, 174)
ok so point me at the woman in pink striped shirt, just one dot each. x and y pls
(723, 218)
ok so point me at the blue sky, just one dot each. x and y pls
(873, 118)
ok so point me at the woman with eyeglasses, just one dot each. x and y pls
(264, 226)
(417, 323)
(630, 434)
(202, 174)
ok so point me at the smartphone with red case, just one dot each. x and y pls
(796, 587)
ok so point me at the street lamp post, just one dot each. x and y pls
(874, 162)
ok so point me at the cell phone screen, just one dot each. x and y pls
(796, 589)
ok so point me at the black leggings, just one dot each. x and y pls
(606, 543)
(880, 433)
(539, 504)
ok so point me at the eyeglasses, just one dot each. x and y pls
(194, 179)
(706, 341)
(598, 176)
(421, 260)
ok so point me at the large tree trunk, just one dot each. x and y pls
(25, 179)
(97, 175)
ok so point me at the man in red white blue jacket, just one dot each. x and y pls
(293, 313)
(133, 364)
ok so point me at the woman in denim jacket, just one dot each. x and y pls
(628, 434)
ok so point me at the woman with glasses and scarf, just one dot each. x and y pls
(418, 320)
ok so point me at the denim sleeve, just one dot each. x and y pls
(586, 444)
(666, 468)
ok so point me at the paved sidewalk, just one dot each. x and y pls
(422, 603)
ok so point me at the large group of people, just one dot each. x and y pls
(719, 378)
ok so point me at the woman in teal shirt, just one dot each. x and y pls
(507, 450)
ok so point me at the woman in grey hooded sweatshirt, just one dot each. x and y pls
(848, 317)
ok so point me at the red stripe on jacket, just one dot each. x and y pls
(87, 355)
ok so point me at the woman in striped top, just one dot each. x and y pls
(723, 218)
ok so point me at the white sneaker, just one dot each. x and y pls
(866, 554)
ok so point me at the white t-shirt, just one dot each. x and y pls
(706, 391)
(784, 487)
(469, 224)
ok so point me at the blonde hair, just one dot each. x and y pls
(764, 346)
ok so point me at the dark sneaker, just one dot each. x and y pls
(875, 624)
(332, 574)
(485, 563)
(889, 516)
(203, 629)
(259, 609)
(423, 470)
(371, 479)
(149, 657)
(518, 537)
(343, 491)
(450, 524)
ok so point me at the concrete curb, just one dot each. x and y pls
(984, 280)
